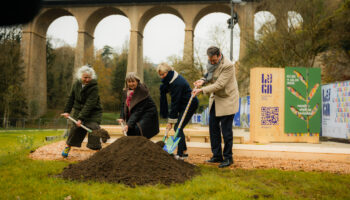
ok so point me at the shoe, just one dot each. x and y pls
(177, 157)
(226, 163)
(185, 155)
(65, 152)
(215, 160)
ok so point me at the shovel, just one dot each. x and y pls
(172, 142)
(102, 133)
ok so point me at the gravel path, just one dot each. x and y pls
(53, 152)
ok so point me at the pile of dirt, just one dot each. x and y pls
(132, 161)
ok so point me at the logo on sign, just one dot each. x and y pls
(266, 83)
(326, 97)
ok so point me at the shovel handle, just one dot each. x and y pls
(184, 115)
(84, 127)
(166, 134)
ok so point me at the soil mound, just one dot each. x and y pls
(132, 160)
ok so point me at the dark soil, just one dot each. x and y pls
(102, 133)
(132, 160)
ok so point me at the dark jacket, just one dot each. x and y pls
(143, 112)
(85, 101)
(180, 92)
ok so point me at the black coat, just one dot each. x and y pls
(143, 112)
(180, 92)
(85, 101)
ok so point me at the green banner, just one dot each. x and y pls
(302, 100)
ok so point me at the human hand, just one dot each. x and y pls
(198, 83)
(65, 115)
(120, 121)
(78, 123)
(125, 128)
(169, 126)
(196, 91)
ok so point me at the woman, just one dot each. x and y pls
(138, 109)
(180, 92)
(85, 100)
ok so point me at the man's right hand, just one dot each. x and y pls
(198, 83)
(65, 115)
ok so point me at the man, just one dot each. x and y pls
(223, 104)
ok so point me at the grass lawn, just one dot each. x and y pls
(23, 178)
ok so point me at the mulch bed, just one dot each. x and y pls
(138, 161)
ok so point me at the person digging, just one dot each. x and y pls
(84, 99)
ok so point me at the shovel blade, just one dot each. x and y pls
(171, 144)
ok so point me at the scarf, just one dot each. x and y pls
(164, 88)
(128, 99)
(211, 68)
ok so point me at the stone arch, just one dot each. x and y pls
(210, 9)
(154, 11)
(33, 48)
(269, 17)
(85, 48)
(95, 17)
(294, 18)
(157, 32)
(43, 21)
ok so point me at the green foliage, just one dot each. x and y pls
(152, 81)
(24, 178)
(107, 55)
(118, 80)
(60, 67)
(12, 98)
(337, 59)
(104, 76)
(321, 30)
(26, 141)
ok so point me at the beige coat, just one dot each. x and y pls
(223, 89)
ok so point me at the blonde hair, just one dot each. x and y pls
(164, 67)
(86, 69)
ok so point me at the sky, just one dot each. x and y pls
(163, 34)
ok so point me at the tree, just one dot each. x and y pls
(12, 96)
(118, 79)
(152, 81)
(293, 46)
(60, 69)
(104, 76)
(107, 53)
(336, 61)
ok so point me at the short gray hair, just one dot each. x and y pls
(164, 67)
(213, 50)
(86, 69)
(131, 76)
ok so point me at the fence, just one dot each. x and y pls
(242, 117)
(41, 123)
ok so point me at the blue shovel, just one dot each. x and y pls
(172, 142)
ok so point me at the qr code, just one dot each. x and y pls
(269, 115)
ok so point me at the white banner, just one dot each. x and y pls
(336, 110)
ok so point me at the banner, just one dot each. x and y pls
(336, 110)
(302, 100)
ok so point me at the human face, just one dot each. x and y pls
(86, 78)
(132, 84)
(162, 75)
(214, 59)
